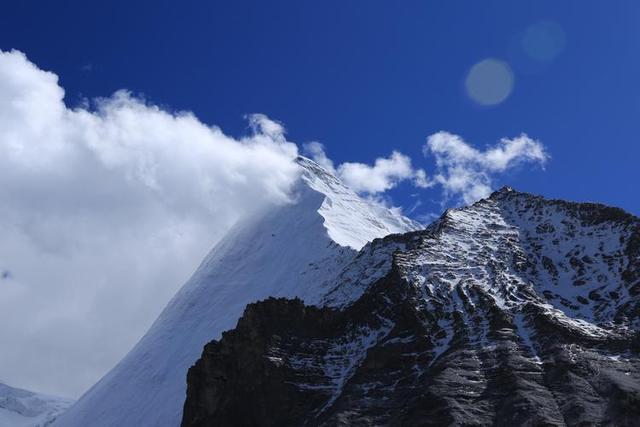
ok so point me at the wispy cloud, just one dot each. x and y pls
(466, 172)
(462, 171)
(385, 173)
(316, 151)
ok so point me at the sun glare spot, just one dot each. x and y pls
(489, 82)
(543, 41)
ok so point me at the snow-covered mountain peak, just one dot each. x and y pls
(502, 191)
(349, 219)
(516, 310)
(580, 260)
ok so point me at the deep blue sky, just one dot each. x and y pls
(365, 77)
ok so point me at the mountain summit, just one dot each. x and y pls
(516, 310)
(294, 250)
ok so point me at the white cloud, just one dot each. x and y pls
(421, 180)
(264, 126)
(467, 172)
(385, 174)
(382, 176)
(104, 213)
(510, 152)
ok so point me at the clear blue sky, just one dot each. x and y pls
(366, 77)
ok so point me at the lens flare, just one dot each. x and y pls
(489, 82)
(543, 41)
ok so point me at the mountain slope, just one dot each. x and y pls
(22, 408)
(514, 311)
(293, 251)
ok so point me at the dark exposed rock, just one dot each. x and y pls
(485, 318)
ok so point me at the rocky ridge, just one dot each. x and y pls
(516, 310)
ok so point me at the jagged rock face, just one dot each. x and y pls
(514, 311)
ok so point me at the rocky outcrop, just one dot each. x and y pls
(514, 311)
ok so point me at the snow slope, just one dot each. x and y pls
(22, 408)
(291, 251)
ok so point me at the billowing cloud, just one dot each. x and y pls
(385, 174)
(104, 213)
(263, 126)
(464, 171)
